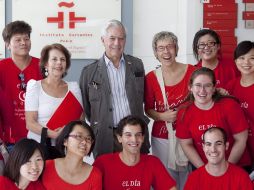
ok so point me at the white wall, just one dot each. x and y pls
(241, 32)
(182, 17)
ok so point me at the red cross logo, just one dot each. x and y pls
(60, 17)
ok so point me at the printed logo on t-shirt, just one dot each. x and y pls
(163, 130)
(19, 104)
(129, 184)
(244, 105)
(159, 106)
(205, 127)
(22, 96)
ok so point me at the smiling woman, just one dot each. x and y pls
(207, 50)
(243, 87)
(52, 99)
(171, 80)
(206, 108)
(70, 171)
(24, 167)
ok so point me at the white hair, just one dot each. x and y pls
(112, 23)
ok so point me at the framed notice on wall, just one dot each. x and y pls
(2, 24)
(74, 23)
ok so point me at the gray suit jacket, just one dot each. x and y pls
(96, 94)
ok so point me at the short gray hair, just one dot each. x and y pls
(162, 36)
(112, 23)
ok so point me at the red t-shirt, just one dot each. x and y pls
(245, 95)
(1, 116)
(224, 72)
(14, 96)
(176, 94)
(225, 113)
(51, 180)
(234, 178)
(7, 184)
(149, 172)
(5, 113)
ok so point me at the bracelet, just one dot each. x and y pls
(44, 134)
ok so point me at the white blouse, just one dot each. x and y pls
(38, 100)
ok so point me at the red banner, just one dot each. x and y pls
(248, 15)
(229, 40)
(220, 24)
(225, 31)
(221, 1)
(220, 7)
(228, 48)
(248, 1)
(220, 15)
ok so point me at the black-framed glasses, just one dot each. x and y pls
(167, 47)
(208, 44)
(22, 81)
(81, 138)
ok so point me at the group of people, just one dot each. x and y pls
(202, 134)
(185, 101)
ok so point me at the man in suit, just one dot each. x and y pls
(112, 88)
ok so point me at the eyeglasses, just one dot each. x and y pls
(22, 81)
(167, 47)
(208, 44)
(199, 86)
(82, 138)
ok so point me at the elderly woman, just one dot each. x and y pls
(52, 102)
(207, 50)
(206, 108)
(70, 171)
(169, 81)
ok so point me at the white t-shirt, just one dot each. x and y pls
(38, 100)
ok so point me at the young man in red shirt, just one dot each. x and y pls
(129, 169)
(15, 72)
(218, 173)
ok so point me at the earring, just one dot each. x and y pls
(65, 150)
(46, 72)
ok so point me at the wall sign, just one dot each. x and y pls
(248, 14)
(76, 24)
(221, 16)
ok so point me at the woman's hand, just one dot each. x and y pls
(238, 146)
(191, 152)
(222, 91)
(54, 133)
(169, 115)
